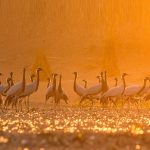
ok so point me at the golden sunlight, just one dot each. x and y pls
(75, 74)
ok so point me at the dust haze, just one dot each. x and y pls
(73, 35)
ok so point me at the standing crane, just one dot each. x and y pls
(51, 90)
(31, 87)
(15, 91)
(60, 93)
(94, 90)
(115, 92)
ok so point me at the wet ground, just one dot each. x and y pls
(73, 128)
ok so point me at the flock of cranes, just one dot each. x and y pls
(13, 94)
(106, 94)
(16, 93)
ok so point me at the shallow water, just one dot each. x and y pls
(76, 123)
(76, 120)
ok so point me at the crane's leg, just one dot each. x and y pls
(15, 103)
(1, 101)
(20, 103)
(46, 99)
(114, 102)
(102, 102)
(92, 102)
(12, 103)
(21, 106)
(129, 102)
(28, 102)
(6, 103)
(55, 102)
(125, 100)
(110, 101)
(66, 101)
(25, 102)
(122, 102)
(82, 99)
(58, 103)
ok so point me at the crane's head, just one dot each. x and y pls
(32, 76)
(98, 77)
(84, 81)
(8, 79)
(147, 78)
(55, 74)
(48, 79)
(75, 73)
(52, 74)
(11, 74)
(124, 74)
(116, 79)
(39, 69)
(1, 74)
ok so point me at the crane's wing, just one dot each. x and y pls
(132, 90)
(80, 90)
(49, 89)
(14, 89)
(3, 88)
(29, 89)
(94, 89)
(114, 91)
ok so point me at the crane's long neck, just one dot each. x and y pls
(124, 82)
(102, 79)
(31, 79)
(85, 86)
(23, 80)
(105, 78)
(48, 83)
(99, 80)
(54, 89)
(106, 85)
(12, 82)
(75, 82)
(116, 83)
(103, 83)
(59, 86)
(143, 87)
(9, 85)
(0, 82)
(38, 80)
(54, 83)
